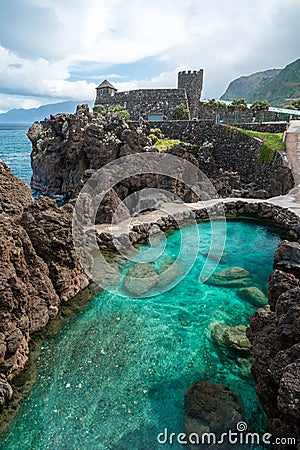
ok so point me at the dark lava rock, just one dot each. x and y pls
(38, 267)
(6, 391)
(287, 257)
(280, 282)
(275, 336)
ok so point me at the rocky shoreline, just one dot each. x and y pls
(40, 270)
(37, 230)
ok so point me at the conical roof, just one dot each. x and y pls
(105, 84)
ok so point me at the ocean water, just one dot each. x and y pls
(115, 375)
(15, 149)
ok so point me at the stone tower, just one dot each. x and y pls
(192, 82)
(104, 90)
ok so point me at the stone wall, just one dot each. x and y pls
(144, 102)
(224, 150)
(268, 127)
(239, 116)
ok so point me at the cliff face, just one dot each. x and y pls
(67, 145)
(277, 86)
(242, 86)
(68, 148)
(38, 270)
(275, 336)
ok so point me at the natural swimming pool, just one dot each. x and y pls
(115, 375)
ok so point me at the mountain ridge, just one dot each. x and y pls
(243, 85)
(277, 86)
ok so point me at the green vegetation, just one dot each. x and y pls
(213, 103)
(260, 105)
(285, 85)
(276, 86)
(155, 135)
(272, 142)
(238, 104)
(166, 144)
(180, 112)
(295, 104)
(161, 143)
(242, 86)
(100, 110)
(114, 109)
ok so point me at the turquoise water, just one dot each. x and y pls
(115, 375)
(15, 149)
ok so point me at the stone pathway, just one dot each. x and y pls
(292, 141)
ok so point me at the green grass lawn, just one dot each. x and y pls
(272, 142)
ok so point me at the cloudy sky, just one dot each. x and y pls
(56, 50)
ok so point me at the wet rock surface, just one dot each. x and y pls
(140, 279)
(253, 295)
(232, 277)
(232, 338)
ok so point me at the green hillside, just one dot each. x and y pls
(279, 90)
(278, 86)
(242, 86)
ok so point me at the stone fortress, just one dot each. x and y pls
(155, 104)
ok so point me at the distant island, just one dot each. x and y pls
(28, 116)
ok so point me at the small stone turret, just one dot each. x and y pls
(192, 82)
(104, 90)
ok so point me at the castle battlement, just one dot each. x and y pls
(155, 103)
(190, 71)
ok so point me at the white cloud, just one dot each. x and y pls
(40, 78)
(164, 80)
(44, 39)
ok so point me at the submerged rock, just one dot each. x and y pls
(168, 273)
(210, 408)
(232, 277)
(139, 279)
(253, 295)
(232, 338)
